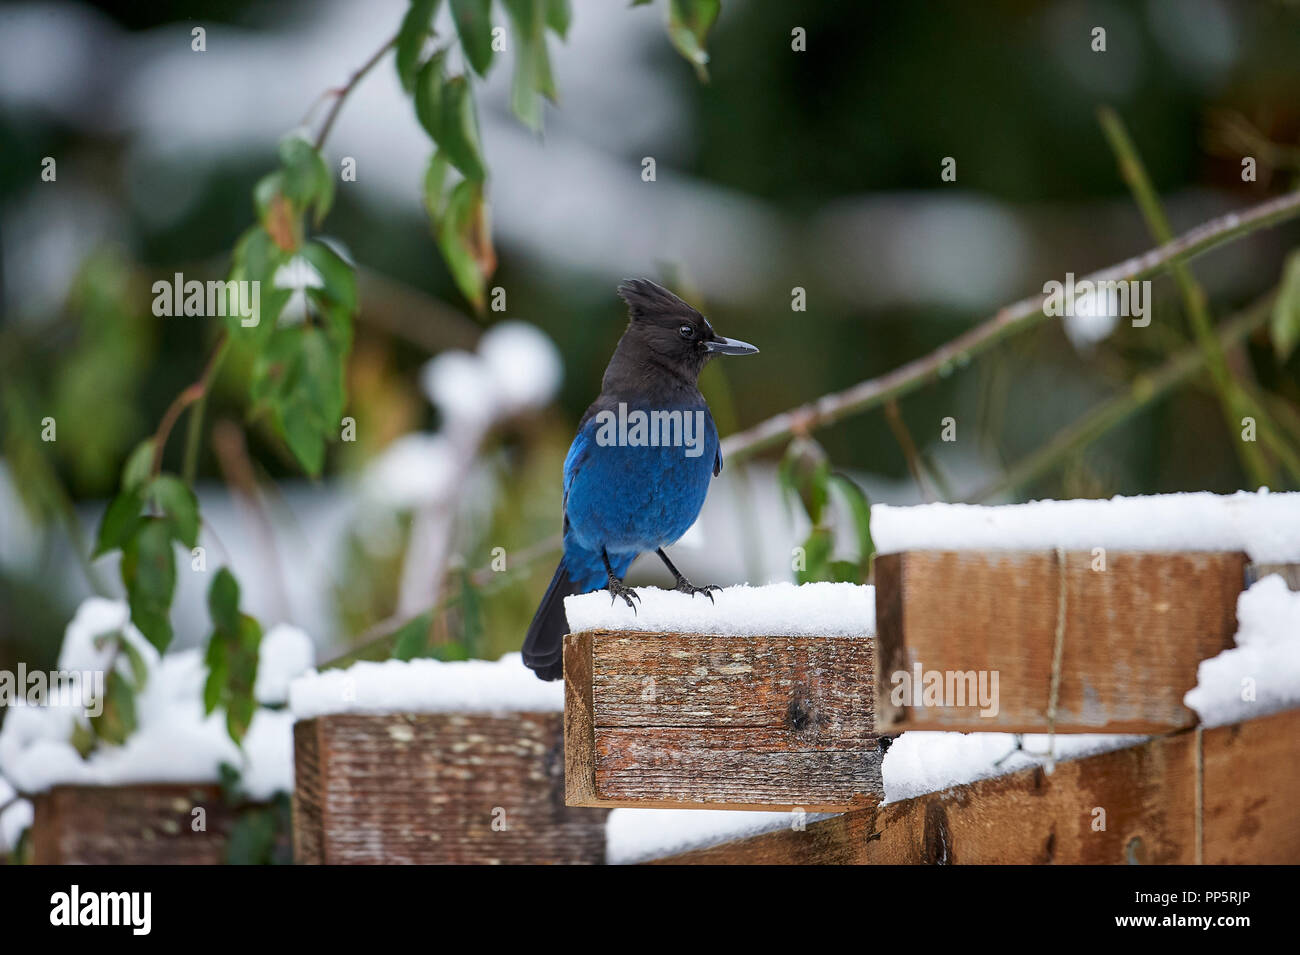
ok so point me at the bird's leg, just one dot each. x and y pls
(616, 587)
(684, 585)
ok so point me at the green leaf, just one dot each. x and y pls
(239, 715)
(416, 25)
(435, 181)
(474, 24)
(82, 739)
(120, 522)
(139, 669)
(1284, 328)
(860, 510)
(276, 213)
(558, 17)
(257, 259)
(471, 612)
(845, 572)
(411, 639)
(135, 473)
(223, 601)
(805, 471)
(218, 672)
(689, 22)
(118, 719)
(242, 678)
(428, 94)
(303, 438)
(306, 180)
(817, 554)
(149, 575)
(174, 498)
(445, 108)
(527, 22)
(299, 380)
(336, 300)
(465, 241)
(459, 132)
(232, 656)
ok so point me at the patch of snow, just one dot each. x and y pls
(636, 835)
(425, 686)
(1261, 674)
(414, 470)
(921, 761)
(1265, 525)
(524, 365)
(286, 652)
(174, 741)
(809, 610)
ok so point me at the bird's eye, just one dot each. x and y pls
(686, 331)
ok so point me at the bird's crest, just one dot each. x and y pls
(646, 300)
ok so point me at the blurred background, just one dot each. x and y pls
(816, 169)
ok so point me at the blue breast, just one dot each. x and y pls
(627, 495)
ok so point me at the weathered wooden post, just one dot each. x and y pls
(144, 824)
(428, 762)
(762, 700)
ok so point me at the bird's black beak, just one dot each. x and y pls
(729, 346)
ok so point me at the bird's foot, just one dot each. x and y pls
(684, 586)
(618, 589)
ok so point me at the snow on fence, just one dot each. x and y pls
(429, 762)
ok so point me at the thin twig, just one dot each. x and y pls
(232, 458)
(907, 378)
(342, 93)
(904, 438)
(187, 397)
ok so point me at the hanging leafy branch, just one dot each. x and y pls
(455, 183)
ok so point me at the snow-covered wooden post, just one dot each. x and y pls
(1070, 616)
(428, 762)
(760, 699)
(142, 824)
(1131, 638)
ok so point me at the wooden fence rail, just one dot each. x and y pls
(1218, 796)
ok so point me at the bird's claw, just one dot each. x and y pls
(618, 589)
(684, 586)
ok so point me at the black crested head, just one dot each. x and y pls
(647, 301)
(667, 334)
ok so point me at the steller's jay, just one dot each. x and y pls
(637, 472)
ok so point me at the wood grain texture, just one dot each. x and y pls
(130, 825)
(699, 721)
(437, 788)
(1134, 634)
(1250, 773)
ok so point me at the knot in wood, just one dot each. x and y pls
(802, 713)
